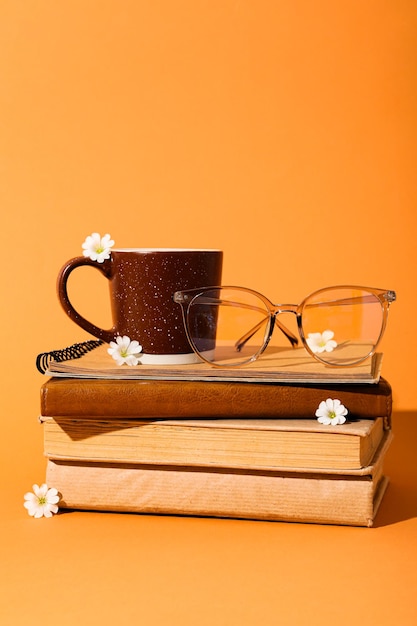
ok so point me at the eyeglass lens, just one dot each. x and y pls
(229, 326)
(342, 326)
(219, 319)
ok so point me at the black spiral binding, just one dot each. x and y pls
(75, 351)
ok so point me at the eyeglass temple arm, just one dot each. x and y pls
(291, 338)
(387, 296)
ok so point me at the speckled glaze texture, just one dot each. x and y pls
(142, 283)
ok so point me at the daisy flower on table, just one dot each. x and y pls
(42, 502)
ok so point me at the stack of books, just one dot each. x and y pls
(200, 441)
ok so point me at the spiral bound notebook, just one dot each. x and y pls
(90, 359)
(70, 353)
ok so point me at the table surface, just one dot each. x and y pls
(101, 568)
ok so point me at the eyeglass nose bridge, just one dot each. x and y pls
(285, 308)
(272, 321)
(275, 311)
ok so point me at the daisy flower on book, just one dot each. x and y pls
(331, 412)
(321, 342)
(98, 248)
(42, 502)
(125, 351)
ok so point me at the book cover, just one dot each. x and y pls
(234, 443)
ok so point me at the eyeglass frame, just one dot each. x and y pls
(185, 298)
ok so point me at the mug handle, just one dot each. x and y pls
(105, 268)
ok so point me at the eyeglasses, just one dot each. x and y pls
(232, 326)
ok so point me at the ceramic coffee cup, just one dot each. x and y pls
(142, 283)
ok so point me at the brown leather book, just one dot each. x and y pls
(167, 399)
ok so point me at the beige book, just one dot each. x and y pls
(348, 498)
(264, 444)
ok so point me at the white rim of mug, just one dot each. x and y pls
(149, 250)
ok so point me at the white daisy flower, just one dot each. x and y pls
(123, 350)
(97, 248)
(331, 412)
(321, 342)
(42, 502)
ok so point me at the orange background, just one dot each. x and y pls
(283, 132)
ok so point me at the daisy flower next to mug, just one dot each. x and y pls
(125, 351)
(98, 248)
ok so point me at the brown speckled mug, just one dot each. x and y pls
(142, 283)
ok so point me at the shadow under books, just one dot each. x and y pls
(400, 501)
(398, 505)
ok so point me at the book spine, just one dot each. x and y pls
(155, 490)
(179, 399)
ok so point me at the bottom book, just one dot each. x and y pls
(348, 498)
